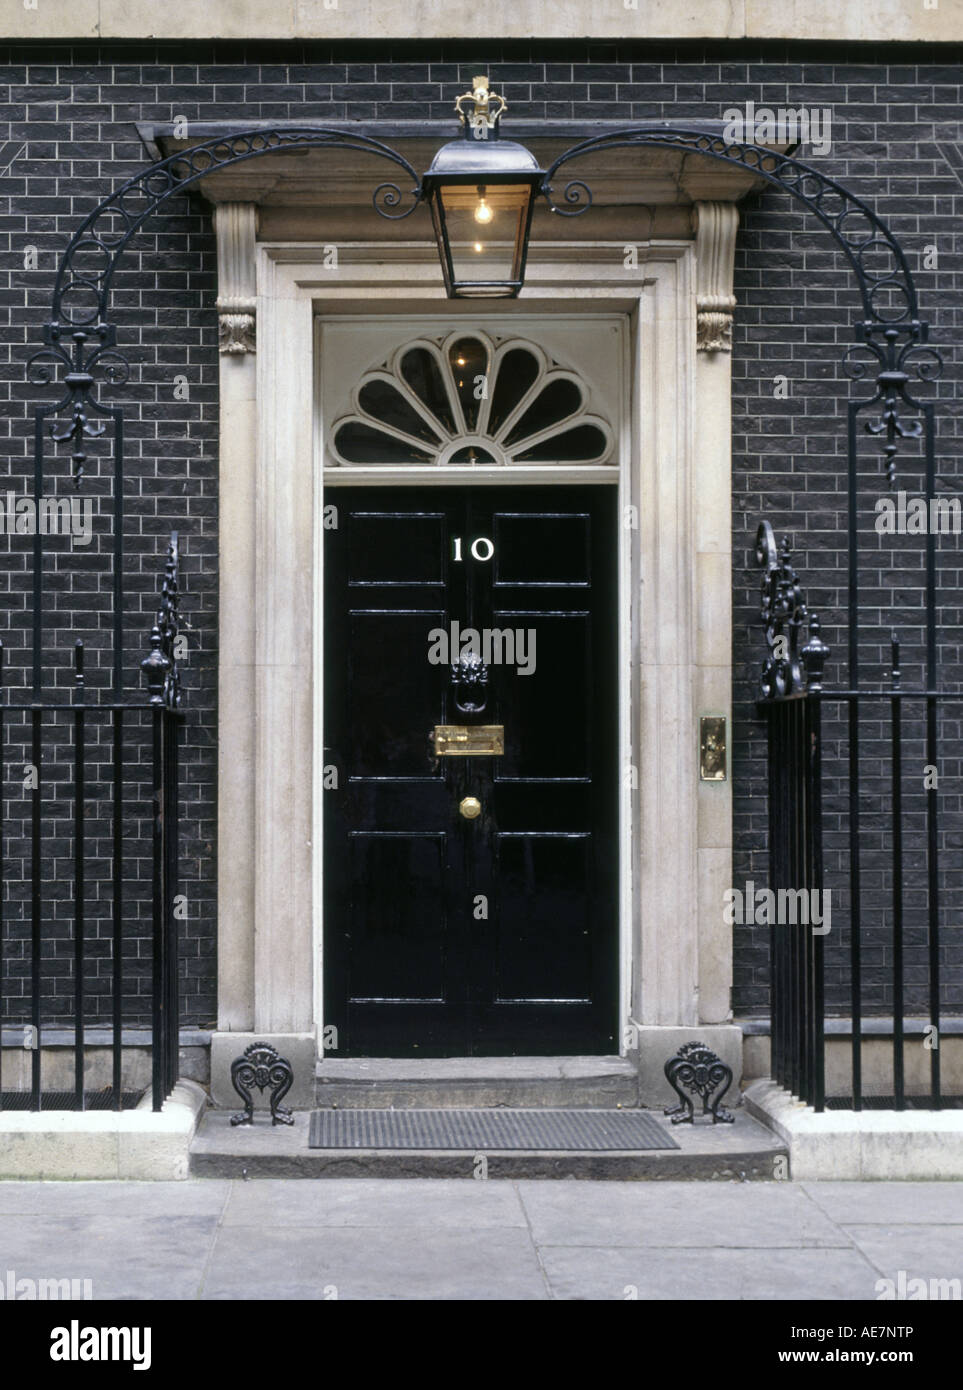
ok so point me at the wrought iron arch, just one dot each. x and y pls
(810, 185)
(179, 171)
(80, 336)
(879, 332)
(80, 339)
(141, 196)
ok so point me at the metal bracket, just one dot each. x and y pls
(262, 1065)
(696, 1067)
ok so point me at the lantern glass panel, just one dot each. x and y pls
(485, 233)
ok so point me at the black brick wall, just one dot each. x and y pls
(67, 114)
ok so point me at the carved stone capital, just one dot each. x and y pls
(236, 226)
(715, 227)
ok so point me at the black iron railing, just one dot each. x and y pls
(908, 982)
(94, 763)
(795, 864)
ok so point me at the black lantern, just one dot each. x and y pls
(482, 190)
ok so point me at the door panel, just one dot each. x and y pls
(446, 936)
(541, 878)
(550, 737)
(387, 744)
(398, 939)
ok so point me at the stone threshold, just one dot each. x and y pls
(441, 1082)
(742, 1152)
(883, 1145)
(431, 1068)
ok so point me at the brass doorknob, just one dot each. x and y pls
(470, 807)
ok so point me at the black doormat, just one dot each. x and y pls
(67, 1100)
(597, 1131)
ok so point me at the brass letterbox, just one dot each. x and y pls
(469, 740)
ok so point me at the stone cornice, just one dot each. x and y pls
(342, 178)
(809, 20)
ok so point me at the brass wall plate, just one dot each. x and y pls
(712, 748)
(469, 740)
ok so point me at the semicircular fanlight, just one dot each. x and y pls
(462, 400)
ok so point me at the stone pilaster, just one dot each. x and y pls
(716, 225)
(236, 303)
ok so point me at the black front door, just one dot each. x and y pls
(470, 902)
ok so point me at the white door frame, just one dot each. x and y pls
(676, 579)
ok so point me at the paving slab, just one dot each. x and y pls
(482, 1240)
(95, 1198)
(402, 1205)
(408, 1264)
(889, 1203)
(659, 1273)
(125, 1257)
(737, 1215)
(926, 1252)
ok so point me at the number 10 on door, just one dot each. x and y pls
(481, 548)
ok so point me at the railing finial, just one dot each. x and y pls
(787, 669)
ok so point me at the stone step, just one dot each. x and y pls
(741, 1152)
(604, 1083)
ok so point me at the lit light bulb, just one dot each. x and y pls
(478, 246)
(483, 213)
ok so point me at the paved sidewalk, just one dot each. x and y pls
(464, 1239)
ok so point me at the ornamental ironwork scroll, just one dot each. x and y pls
(697, 1069)
(891, 334)
(80, 356)
(788, 668)
(80, 337)
(160, 666)
(261, 1065)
